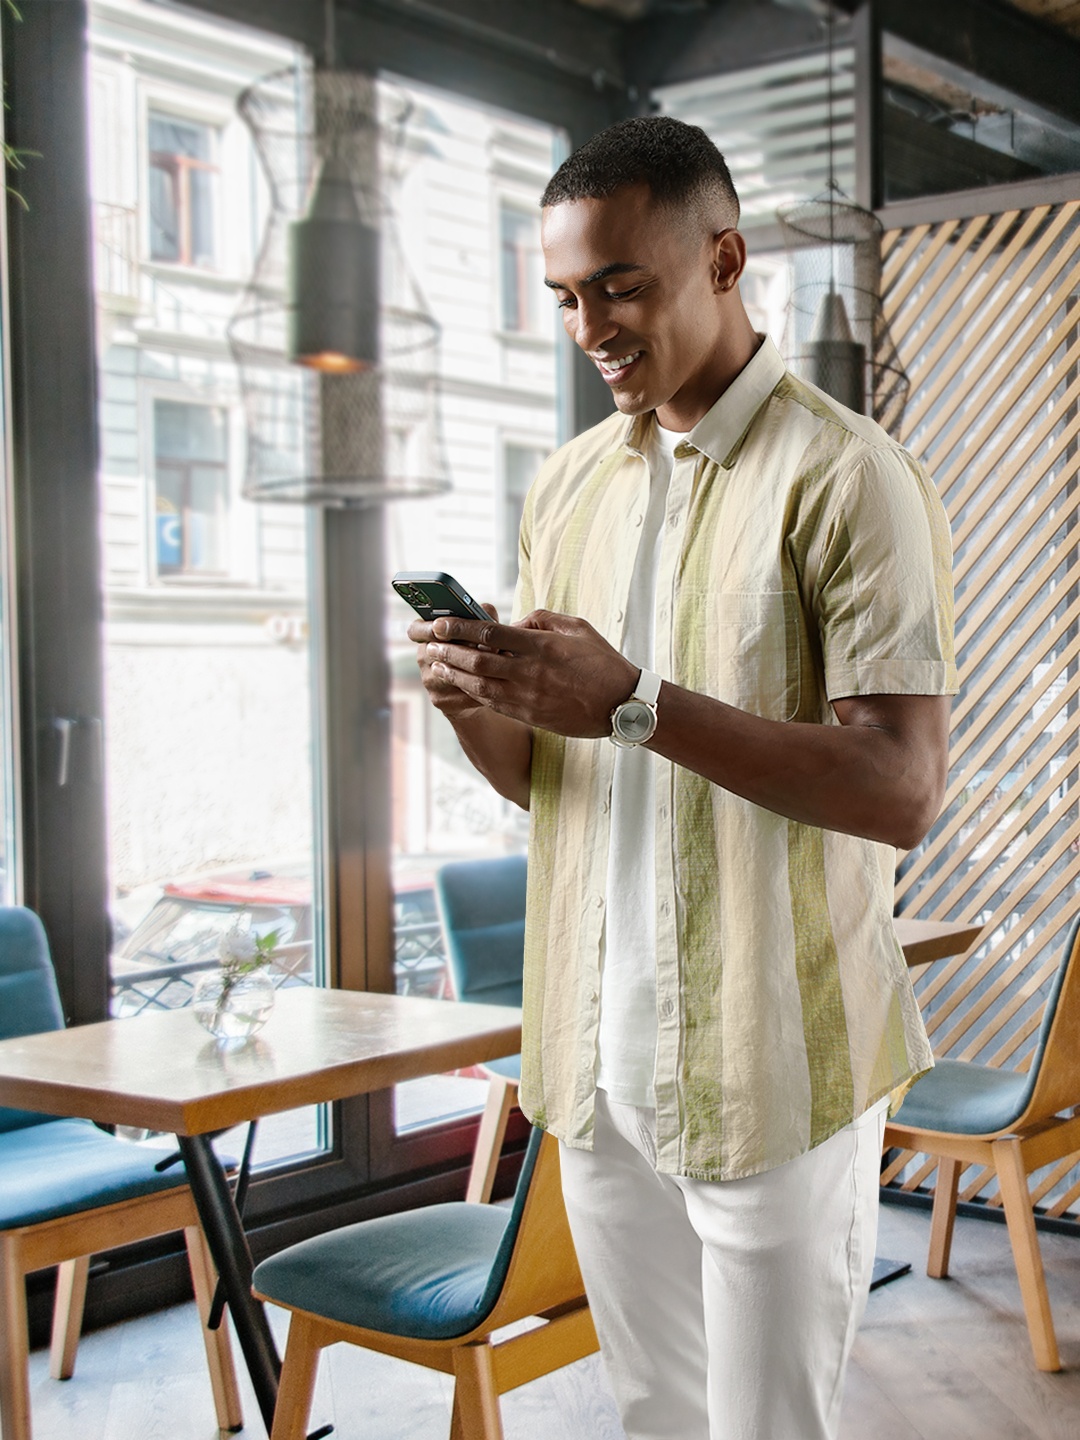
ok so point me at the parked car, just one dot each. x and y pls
(157, 964)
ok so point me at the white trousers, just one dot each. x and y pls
(725, 1309)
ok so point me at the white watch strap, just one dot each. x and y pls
(648, 687)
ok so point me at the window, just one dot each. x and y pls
(182, 191)
(440, 808)
(520, 464)
(191, 489)
(522, 271)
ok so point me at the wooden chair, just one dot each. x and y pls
(482, 907)
(432, 1286)
(1011, 1121)
(69, 1190)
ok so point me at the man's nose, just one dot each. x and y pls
(593, 325)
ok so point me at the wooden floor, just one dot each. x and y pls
(934, 1360)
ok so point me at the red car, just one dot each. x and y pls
(157, 965)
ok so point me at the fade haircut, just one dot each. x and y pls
(683, 169)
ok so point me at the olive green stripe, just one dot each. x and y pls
(574, 541)
(695, 841)
(817, 966)
(697, 565)
(548, 758)
(701, 966)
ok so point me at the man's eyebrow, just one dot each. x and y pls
(619, 267)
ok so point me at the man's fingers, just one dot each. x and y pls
(449, 660)
(553, 621)
(420, 631)
(476, 632)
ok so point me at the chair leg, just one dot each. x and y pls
(14, 1345)
(219, 1359)
(476, 1400)
(500, 1101)
(297, 1386)
(1020, 1217)
(944, 1215)
(71, 1278)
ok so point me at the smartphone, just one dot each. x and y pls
(432, 593)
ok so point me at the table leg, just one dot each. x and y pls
(228, 1245)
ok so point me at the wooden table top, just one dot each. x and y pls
(926, 940)
(162, 1070)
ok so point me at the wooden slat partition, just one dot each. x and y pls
(985, 314)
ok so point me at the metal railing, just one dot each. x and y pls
(419, 969)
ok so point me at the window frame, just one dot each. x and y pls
(228, 520)
(181, 169)
(534, 328)
(157, 99)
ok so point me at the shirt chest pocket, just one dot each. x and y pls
(755, 650)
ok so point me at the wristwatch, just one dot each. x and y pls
(634, 721)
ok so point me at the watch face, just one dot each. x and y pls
(634, 722)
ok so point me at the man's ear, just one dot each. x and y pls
(729, 258)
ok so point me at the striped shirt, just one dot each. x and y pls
(805, 557)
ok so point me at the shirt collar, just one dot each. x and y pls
(721, 430)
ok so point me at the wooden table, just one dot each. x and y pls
(926, 940)
(162, 1071)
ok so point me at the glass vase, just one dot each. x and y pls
(233, 1009)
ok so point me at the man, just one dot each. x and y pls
(747, 587)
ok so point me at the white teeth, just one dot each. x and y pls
(611, 365)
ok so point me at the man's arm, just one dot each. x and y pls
(879, 774)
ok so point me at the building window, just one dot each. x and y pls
(520, 464)
(522, 271)
(191, 485)
(183, 180)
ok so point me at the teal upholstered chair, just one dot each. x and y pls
(69, 1190)
(482, 905)
(432, 1286)
(1013, 1122)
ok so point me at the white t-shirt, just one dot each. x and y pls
(626, 1046)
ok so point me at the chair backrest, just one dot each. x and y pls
(536, 1267)
(29, 999)
(1054, 1073)
(482, 904)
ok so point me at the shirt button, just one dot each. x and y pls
(618, 617)
(604, 807)
(638, 519)
(663, 812)
(672, 521)
(668, 1008)
(598, 901)
(665, 908)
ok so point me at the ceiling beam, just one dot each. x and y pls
(1016, 56)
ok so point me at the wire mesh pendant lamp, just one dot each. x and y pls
(337, 351)
(837, 334)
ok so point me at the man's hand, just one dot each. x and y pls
(443, 693)
(549, 670)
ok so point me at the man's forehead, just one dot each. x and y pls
(581, 237)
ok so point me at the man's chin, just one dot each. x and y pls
(631, 402)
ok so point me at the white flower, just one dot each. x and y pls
(238, 947)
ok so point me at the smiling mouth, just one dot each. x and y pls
(615, 369)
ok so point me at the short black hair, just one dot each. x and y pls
(678, 162)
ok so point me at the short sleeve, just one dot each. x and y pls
(883, 597)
